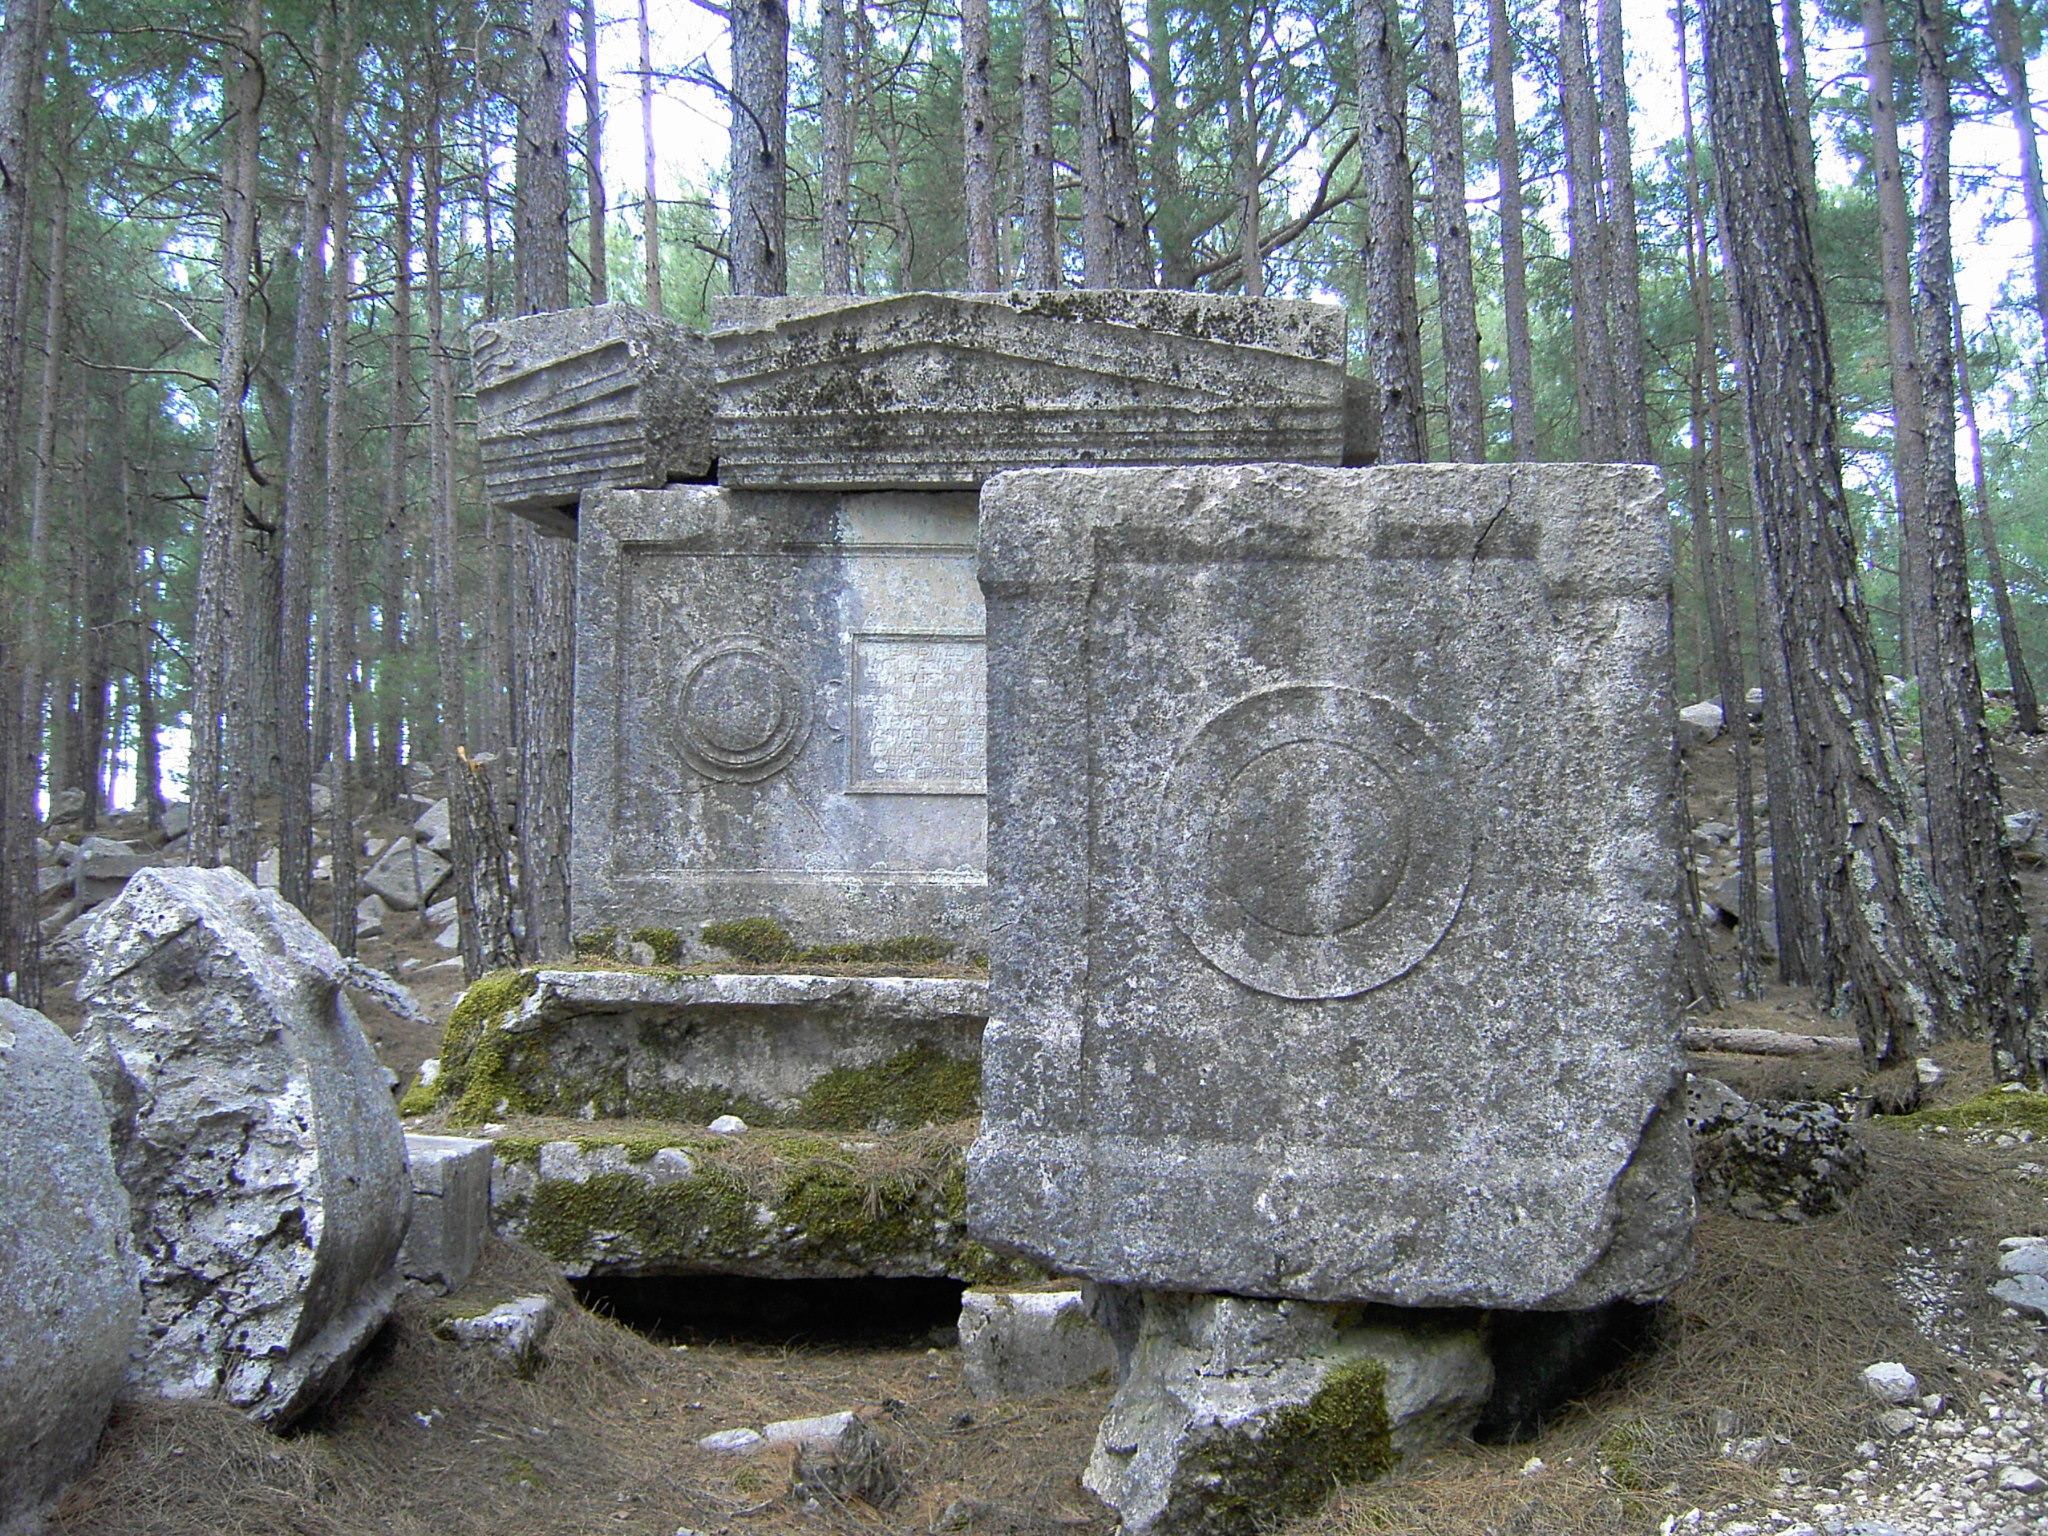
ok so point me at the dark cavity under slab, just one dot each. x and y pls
(739, 1309)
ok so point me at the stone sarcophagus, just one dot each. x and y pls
(780, 707)
(579, 398)
(1332, 873)
(942, 390)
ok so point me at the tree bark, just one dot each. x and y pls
(36, 654)
(1041, 232)
(1172, 213)
(1393, 340)
(1513, 251)
(650, 218)
(1880, 954)
(977, 132)
(1623, 243)
(2026, 706)
(1464, 407)
(1792, 39)
(218, 613)
(390, 778)
(540, 249)
(301, 469)
(1243, 127)
(835, 148)
(1121, 258)
(1965, 822)
(1895, 244)
(338, 654)
(593, 159)
(760, 146)
(1585, 220)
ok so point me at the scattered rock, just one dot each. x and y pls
(728, 1125)
(2025, 1294)
(1788, 1161)
(1030, 1343)
(256, 1136)
(1897, 1422)
(733, 1442)
(513, 1333)
(1237, 1414)
(2023, 1256)
(68, 1296)
(821, 1433)
(66, 805)
(441, 912)
(267, 869)
(371, 914)
(1699, 724)
(177, 821)
(1890, 1382)
(449, 937)
(2020, 1480)
(406, 875)
(432, 828)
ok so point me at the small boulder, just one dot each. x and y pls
(1699, 724)
(733, 1442)
(513, 1333)
(1889, 1382)
(371, 916)
(177, 821)
(727, 1125)
(68, 1295)
(406, 875)
(432, 827)
(254, 1130)
(1030, 1343)
(451, 1207)
(1788, 1161)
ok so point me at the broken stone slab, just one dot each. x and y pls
(451, 1209)
(576, 399)
(432, 827)
(831, 1052)
(513, 1332)
(823, 1431)
(789, 1206)
(102, 866)
(406, 875)
(67, 1270)
(1030, 1343)
(802, 735)
(935, 391)
(1361, 985)
(254, 1130)
(1236, 1415)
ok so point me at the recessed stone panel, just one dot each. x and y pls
(780, 712)
(1333, 883)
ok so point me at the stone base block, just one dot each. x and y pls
(1236, 1415)
(451, 1209)
(1030, 1343)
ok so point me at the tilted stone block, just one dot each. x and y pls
(451, 1209)
(1333, 874)
(942, 390)
(254, 1130)
(575, 399)
(68, 1296)
(1030, 1343)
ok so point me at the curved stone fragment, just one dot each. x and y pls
(68, 1299)
(256, 1137)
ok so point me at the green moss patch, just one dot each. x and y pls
(1996, 1108)
(762, 941)
(920, 1086)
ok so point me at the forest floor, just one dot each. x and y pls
(1744, 1413)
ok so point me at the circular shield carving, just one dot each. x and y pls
(741, 713)
(1312, 841)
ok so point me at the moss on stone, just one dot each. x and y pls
(598, 944)
(1285, 1466)
(707, 1213)
(763, 941)
(920, 1086)
(1995, 1108)
(756, 940)
(419, 1099)
(666, 943)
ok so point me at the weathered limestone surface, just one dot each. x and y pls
(942, 390)
(779, 713)
(1360, 984)
(68, 1297)
(635, 1044)
(451, 1209)
(1016, 1344)
(1237, 1414)
(256, 1136)
(580, 398)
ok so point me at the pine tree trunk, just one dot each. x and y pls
(1172, 209)
(2026, 706)
(1965, 822)
(1122, 259)
(338, 655)
(1041, 232)
(977, 131)
(650, 218)
(1585, 220)
(1393, 340)
(1464, 407)
(1623, 243)
(1513, 251)
(2019, 99)
(1799, 96)
(218, 611)
(1242, 126)
(760, 146)
(37, 654)
(593, 159)
(390, 779)
(1895, 244)
(835, 149)
(1880, 955)
(301, 469)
